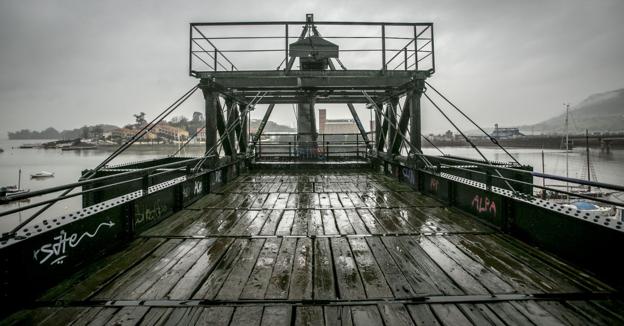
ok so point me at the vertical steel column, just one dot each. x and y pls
(378, 119)
(415, 129)
(391, 115)
(383, 47)
(286, 47)
(415, 49)
(211, 99)
(243, 136)
(306, 123)
(402, 125)
(232, 114)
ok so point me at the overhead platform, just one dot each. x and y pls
(326, 247)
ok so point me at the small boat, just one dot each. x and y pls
(42, 174)
(585, 206)
(78, 148)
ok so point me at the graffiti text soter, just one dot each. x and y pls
(62, 242)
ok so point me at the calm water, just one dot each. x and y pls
(68, 165)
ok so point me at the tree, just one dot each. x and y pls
(197, 117)
(140, 119)
(98, 132)
(84, 132)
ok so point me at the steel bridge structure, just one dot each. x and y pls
(309, 228)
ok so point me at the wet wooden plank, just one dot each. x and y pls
(425, 276)
(281, 275)
(162, 286)
(271, 223)
(235, 282)
(395, 314)
(509, 314)
(276, 316)
(309, 315)
(536, 313)
(338, 315)
(450, 314)
(259, 279)
(422, 315)
(365, 315)
(217, 316)
(342, 222)
(329, 223)
(347, 275)
(243, 223)
(300, 222)
(480, 314)
(315, 223)
(285, 224)
(457, 272)
(354, 218)
(159, 316)
(131, 279)
(301, 284)
(213, 282)
(128, 316)
(94, 277)
(247, 315)
(374, 281)
(192, 279)
(371, 222)
(399, 285)
(323, 270)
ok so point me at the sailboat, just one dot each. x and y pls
(8, 191)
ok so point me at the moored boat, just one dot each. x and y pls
(42, 174)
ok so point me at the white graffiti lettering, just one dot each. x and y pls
(147, 214)
(61, 243)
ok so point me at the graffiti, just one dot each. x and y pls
(62, 242)
(483, 204)
(149, 214)
(433, 185)
(218, 178)
(189, 191)
(409, 175)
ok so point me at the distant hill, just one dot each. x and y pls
(270, 126)
(51, 133)
(598, 112)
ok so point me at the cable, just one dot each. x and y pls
(492, 139)
(466, 138)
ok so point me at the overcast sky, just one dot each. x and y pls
(69, 63)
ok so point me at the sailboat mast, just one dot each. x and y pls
(587, 154)
(567, 149)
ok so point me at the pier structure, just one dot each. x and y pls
(311, 228)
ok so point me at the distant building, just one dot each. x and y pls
(336, 126)
(502, 133)
(201, 134)
(167, 131)
(125, 133)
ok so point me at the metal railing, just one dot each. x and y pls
(291, 146)
(374, 45)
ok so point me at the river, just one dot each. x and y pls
(67, 166)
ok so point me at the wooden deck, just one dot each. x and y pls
(326, 248)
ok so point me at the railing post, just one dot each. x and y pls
(488, 179)
(215, 59)
(327, 150)
(383, 47)
(289, 150)
(405, 55)
(357, 147)
(145, 182)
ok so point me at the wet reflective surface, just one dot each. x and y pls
(318, 247)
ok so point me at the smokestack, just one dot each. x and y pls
(322, 119)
